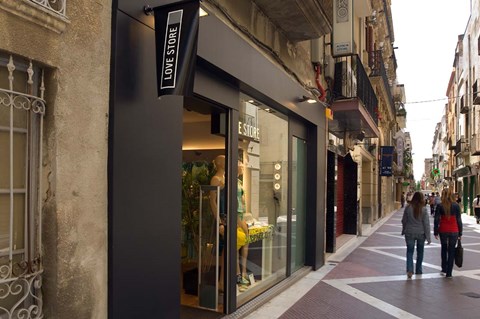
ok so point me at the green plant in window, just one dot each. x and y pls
(194, 174)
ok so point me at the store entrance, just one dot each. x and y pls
(298, 201)
(203, 209)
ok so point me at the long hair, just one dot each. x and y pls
(447, 200)
(417, 203)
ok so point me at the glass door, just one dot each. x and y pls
(203, 208)
(299, 198)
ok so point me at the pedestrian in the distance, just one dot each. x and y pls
(409, 197)
(458, 199)
(448, 224)
(416, 228)
(432, 204)
(402, 199)
(476, 208)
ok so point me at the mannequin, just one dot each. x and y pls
(242, 277)
(219, 180)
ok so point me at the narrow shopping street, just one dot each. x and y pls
(366, 279)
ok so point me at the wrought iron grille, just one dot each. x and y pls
(57, 6)
(22, 108)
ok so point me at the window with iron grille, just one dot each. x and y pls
(22, 108)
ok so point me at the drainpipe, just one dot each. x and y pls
(317, 56)
(318, 70)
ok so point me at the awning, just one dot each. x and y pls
(462, 171)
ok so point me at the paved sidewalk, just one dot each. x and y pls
(367, 278)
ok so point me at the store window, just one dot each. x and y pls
(262, 190)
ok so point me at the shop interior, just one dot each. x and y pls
(261, 206)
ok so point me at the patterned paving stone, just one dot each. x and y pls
(370, 281)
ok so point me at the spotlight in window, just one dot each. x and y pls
(202, 12)
(277, 176)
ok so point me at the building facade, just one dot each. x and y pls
(118, 201)
(462, 114)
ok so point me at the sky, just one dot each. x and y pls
(426, 33)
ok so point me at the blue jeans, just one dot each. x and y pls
(448, 242)
(410, 239)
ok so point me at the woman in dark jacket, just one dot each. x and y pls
(448, 223)
(416, 228)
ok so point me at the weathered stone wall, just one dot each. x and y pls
(76, 52)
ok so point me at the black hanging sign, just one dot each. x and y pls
(386, 160)
(176, 32)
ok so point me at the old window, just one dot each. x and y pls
(22, 109)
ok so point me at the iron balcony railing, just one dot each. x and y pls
(351, 81)
(378, 69)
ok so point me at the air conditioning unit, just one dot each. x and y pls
(329, 66)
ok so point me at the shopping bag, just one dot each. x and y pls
(459, 254)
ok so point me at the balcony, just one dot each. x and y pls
(379, 75)
(299, 20)
(463, 105)
(355, 103)
(306, 19)
(462, 147)
(475, 145)
(476, 94)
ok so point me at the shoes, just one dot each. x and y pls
(448, 276)
(242, 281)
(409, 274)
(442, 273)
(418, 273)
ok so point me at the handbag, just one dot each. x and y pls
(459, 254)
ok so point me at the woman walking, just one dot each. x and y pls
(448, 223)
(416, 228)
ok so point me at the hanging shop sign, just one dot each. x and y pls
(400, 148)
(386, 160)
(176, 33)
(342, 27)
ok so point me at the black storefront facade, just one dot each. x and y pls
(186, 172)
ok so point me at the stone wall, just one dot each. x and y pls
(76, 53)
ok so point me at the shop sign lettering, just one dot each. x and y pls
(248, 130)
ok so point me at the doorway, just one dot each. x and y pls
(299, 202)
(298, 196)
(203, 208)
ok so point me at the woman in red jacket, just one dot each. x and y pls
(448, 223)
